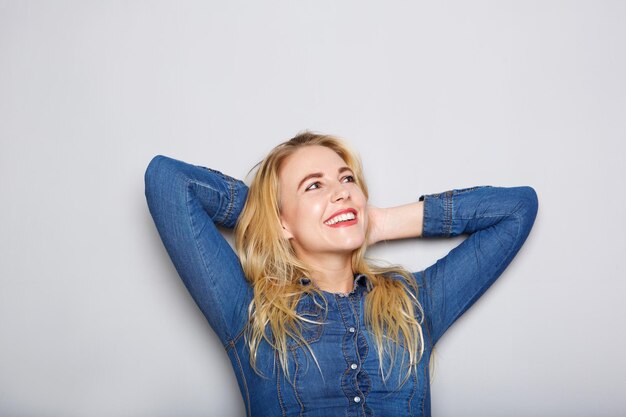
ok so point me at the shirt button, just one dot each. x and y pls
(352, 329)
(357, 399)
(354, 366)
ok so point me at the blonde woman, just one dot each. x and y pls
(312, 328)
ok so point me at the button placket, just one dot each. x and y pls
(350, 379)
(353, 365)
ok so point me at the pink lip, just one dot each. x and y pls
(344, 224)
(350, 210)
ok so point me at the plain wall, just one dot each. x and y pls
(94, 320)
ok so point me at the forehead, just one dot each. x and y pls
(310, 159)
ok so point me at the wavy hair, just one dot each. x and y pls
(274, 271)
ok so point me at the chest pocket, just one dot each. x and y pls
(311, 309)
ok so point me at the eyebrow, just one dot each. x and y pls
(320, 175)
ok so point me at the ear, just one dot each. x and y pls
(285, 229)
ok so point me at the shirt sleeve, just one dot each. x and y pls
(497, 220)
(187, 203)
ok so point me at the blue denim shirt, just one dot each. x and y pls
(188, 202)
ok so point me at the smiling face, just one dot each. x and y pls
(322, 209)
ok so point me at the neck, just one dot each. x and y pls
(332, 272)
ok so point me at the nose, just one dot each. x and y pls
(340, 192)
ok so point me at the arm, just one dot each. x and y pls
(186, 203)
(395, 222)
(497, 220)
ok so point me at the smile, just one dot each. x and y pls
(344, 218)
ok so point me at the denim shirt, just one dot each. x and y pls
(341, 375)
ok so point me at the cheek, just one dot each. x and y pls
(365, 219)
(316, 207)
(365, 213)
(310, 212)
(303, 217)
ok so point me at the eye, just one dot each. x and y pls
(348, 178)
(313, 186)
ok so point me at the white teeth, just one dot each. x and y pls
(341, 218)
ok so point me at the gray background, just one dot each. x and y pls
(93, 318)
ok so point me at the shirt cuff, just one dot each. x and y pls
(437, 214)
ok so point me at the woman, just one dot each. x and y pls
(312, 328)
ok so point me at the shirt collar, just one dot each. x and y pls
(360, 280)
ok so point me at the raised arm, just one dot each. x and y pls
(186, 203)
(498, 221)
(399, 222)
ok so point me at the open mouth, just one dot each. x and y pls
(342, 218)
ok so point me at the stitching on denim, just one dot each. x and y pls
(486, 216)
(364, 405)
(355, 340)
(278, 392)
(473, 298)
(414, 371)
(427, 318)
(410, 399)
(517, 234)
(360, 337)
(238, 335)
(426, 387)
(245, 383)
(344, 379)
(295, 382)
(202, 184)
(232, 191)
(427, 347)
(197, 244)
(426, 215)
(447, 213)
(464, 190)
(312, 332)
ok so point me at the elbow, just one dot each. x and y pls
(154, 176)
(528, 205)
(531, 201)
(153, 167)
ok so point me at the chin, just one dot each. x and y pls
(353, 245)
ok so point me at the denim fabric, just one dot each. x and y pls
(341, 377)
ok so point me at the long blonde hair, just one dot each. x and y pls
(270, 264)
